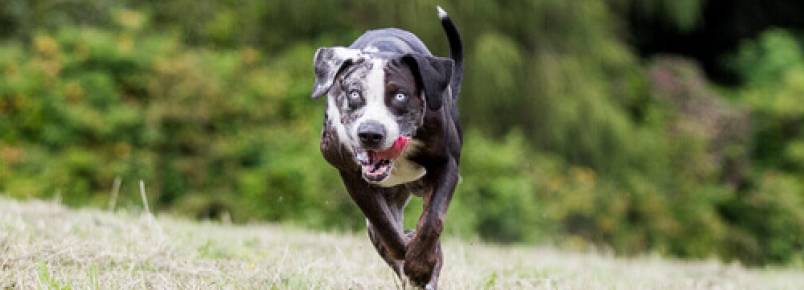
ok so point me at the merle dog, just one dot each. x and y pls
(391, 129)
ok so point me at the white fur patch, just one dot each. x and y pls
(371, 49)
(375, 109)
(334, 115)
(441, 13)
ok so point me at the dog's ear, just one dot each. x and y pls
(328, 62)
(433, 73)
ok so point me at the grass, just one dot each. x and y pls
(45, 245)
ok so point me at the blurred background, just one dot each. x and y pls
(634, 126)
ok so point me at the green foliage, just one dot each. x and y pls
(209, 131)
(570, 137)
(495, 175)
(773, 67)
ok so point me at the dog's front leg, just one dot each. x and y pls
(423, 257)
(377, 211)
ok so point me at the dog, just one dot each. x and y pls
(391, 130)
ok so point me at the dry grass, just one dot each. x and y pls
(44, 245)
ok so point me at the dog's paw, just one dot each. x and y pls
(419, 269)
(404, 281)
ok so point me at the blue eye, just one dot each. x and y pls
(400, 97)
(354, 99)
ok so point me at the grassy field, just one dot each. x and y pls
(45, 245)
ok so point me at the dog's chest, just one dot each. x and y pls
(404, 171)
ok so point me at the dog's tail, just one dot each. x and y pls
(455, 50)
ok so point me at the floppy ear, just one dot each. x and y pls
(433, 73)
(328, 61)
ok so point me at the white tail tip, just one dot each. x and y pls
(441, 13)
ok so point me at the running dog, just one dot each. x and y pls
(391, 130)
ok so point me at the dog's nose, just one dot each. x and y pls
(371, 134)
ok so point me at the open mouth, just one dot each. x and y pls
(375, 169)
(376, 165)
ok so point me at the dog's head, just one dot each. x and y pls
(377, 101)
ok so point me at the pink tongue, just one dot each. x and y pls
(394, 151)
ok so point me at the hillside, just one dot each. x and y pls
(46, 244)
